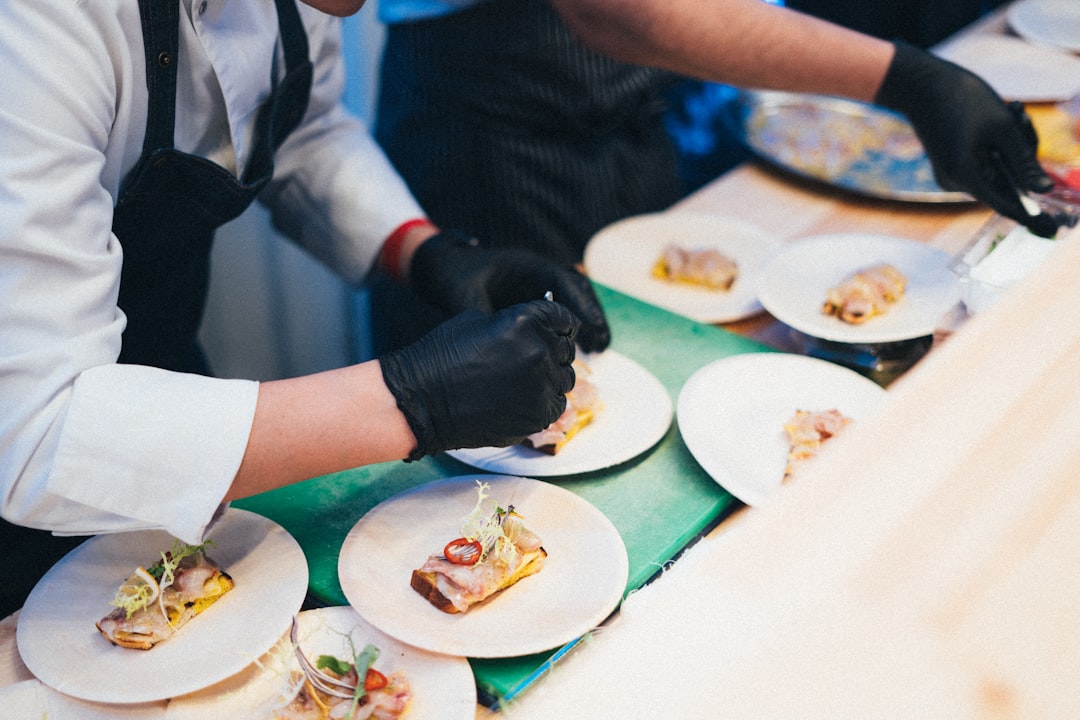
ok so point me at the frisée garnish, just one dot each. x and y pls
(138, 591)
(490, 526)
(145, 585)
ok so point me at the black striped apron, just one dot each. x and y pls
(507, 127)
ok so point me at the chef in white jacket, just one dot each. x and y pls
(129, 131)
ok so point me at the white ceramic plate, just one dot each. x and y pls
(732, 412)
(1016, 69)
(442, 686)
(60, 645)
(636, 414)
(1048, 22)
(582, 580)
(794, 284)
(34, 700)
(622, 255)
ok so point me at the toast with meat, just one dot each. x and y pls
(582, 406)
(456, 592)
(154, 603)
(494, 552)
(865, 294)
(807, 431)
(702, 267)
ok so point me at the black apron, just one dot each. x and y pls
(172, 202)
(506, 127)
(169, 207)
(540, 142)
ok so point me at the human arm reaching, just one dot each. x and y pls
(974, 141)
(474, 381)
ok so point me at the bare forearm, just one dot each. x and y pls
(322, 423)
(330, 421)
(747, 43)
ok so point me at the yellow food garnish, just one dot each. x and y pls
(1058, 138)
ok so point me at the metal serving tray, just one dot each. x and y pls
(846, 144)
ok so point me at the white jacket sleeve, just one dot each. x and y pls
(334, 190)
(87, 445)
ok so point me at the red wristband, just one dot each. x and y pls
(390, 255)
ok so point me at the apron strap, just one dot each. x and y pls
(160, 24)
(294, 38)
(277, 119)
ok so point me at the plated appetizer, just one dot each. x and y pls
(807, 431)
(703, 267)
(155, 602)
(582, 405)
(350, 689)
(495, 551)
(865, 294)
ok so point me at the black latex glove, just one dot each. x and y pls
(451, 270)
(482, 380)
(975, 142)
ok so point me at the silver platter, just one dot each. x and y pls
(846, 144)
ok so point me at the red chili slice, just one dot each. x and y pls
(463, 551)
(374, 680)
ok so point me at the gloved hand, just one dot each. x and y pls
(451, 270)
(975, 142)
(482, 380)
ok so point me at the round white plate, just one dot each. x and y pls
(581, 583)
(1048, 22)
(1016, 69)
(61, 646)
(732, 413)
(794, 284)
(622, 255)
(636, 414)
(443, 687)
(34, 700)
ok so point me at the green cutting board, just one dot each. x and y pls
(659, 501)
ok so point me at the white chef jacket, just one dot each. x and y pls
(88, 445)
